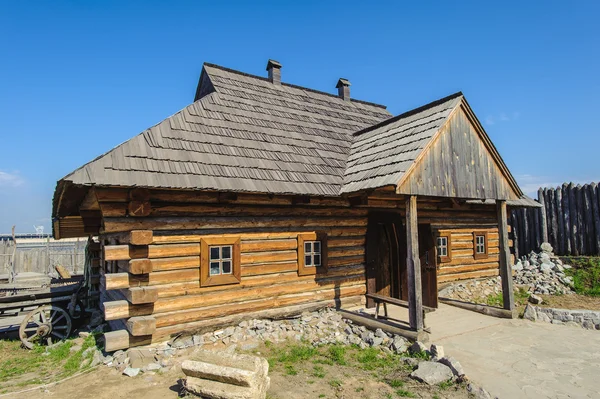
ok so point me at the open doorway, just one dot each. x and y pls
(386, 259)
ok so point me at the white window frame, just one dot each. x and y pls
(220, 259)
(312, 253)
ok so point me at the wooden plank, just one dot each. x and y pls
(581, 243)
(115, 281)
(505, 266)
(264, 257)
(413, 265)
(596, 216)
(468, 268)
(515, 236)
(269, 268)
(487, 310)
(588, 218)
(467, 276)
(174, 263)
(141, 325)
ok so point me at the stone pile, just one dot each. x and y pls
(544, 273)
(541, 273)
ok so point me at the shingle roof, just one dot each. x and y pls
(243, 134)
(381, 154)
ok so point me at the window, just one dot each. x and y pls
(444, 249)
(219, 261)
(312, 253)
(480, 245)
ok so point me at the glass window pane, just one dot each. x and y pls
(317, 260)
(226, 252)
(226, 267)
(308, 246)
(214, 268)
(214, 253)
(318, 246)
(307, 260)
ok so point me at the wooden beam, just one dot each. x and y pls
(505, 267)
(413, 265)
(141, 325)
(141, 295)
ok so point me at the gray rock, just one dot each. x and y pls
(376, 341)
(530, 313)
(417, 347)
(411, 362)
(588, 325)
(454, 365)
(535, 299)
(249, 346)
(546, 247)
(131, 372)
(437, 351)
(432, 373)
(379, 333)
(399, 344)
(152, 367)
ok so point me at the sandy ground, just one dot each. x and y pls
(519, 358)
(510, 358)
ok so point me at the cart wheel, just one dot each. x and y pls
(45, 325)
(77, 311)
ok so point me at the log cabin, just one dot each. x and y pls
(266, 199)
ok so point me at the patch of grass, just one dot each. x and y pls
(436, 396)
(318, 372)
(290, 370)
(372, 359)
(297, 353)
(521, 298)
(337, 354)
(322, 395)
(335, 383)
(396, 383)
(405, 394)
(359, 389)
(446, 384)
(586, 275)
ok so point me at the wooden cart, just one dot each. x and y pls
(49, 310)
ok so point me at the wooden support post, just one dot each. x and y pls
(542, 201)
(413, 266)
(505, 267)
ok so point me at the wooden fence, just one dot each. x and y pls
(41, 255)
(569, 220)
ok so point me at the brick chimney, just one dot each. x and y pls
(343, 86)
(274, 68)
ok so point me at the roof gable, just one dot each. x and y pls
(458, 162)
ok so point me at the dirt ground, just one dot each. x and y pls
(571, 301)
(297, 372)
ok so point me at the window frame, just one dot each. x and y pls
(448, 256)
(485, 254)
(304, 270)
(206, 280)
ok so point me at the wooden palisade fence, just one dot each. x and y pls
(569, 220)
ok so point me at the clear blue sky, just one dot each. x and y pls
(78, 78)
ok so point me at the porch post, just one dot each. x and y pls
(413, 266)
(505, 266)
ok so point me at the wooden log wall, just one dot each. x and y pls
(569, 221)
(151, 254)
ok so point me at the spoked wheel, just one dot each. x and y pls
(45, 325)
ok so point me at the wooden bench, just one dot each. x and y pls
(380, 299)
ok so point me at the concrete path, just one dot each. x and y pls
(519, 358)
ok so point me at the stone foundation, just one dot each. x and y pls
(588, 319)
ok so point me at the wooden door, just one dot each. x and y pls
(428, 266)
(383, 256)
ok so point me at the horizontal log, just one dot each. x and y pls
(173, 250)
(141, 325)
(487, 310)
(269, 268)
(135, 266)
(466, 276)
(345, 251)
(115, 225)
(344, 261)
(236, 209)
(125, 309)
(264, 257)
(468, 268)
(114, 281)
(457, 261)
(125, 252)
(469, 252)
(141, 295)
(175, 263)
(186, 316)
(268, 245)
